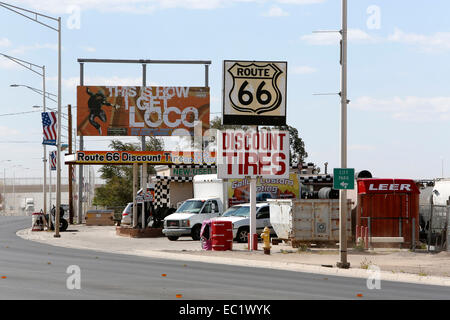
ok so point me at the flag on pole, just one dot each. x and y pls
(49, 127)
(53, 160)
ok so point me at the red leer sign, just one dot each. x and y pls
(252, 154)
(387, 186)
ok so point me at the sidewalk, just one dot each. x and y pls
(396, 265)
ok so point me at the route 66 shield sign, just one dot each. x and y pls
(254, 92)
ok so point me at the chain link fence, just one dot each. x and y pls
(433, 226)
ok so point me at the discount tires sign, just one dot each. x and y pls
(253, 154)
(254, 92)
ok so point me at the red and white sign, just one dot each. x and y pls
(387, 186)
(252, 154)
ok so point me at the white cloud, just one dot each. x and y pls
(89, 49)
(73, 82)
(276, 12)
(23, 49)
(333, 38)
(301, 1)
(8, 132)
(5, 42)
(361, 147)
(303, 70)
(139, 6)
(411, 108)
(437, 42)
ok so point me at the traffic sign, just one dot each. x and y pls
(343, 179)
(254, 92)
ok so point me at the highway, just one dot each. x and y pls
(30, 270)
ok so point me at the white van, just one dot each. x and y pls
(208, 202)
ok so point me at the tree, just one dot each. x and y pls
(118, 189)
(297, 152)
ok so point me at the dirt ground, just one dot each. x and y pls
(395, 264)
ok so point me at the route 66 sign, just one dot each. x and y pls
(254, 92)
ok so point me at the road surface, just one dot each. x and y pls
(30, 270)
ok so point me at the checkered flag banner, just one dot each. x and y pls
(53, 160)
(49, 128)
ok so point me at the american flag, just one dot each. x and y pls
(52, 160)
(49, 126)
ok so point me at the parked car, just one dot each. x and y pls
(239, 215)
(127, 213)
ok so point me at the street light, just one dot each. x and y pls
(33, 16)
(31, 66)
(48, 95)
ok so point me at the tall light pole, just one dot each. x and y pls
(343, 263)
(33, 16)
(32, 67)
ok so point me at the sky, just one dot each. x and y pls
(398, 84)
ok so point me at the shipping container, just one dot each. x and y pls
(308, 220)
(392, 206)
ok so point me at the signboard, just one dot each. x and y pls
(130, 157)
(190, 172)
(252, 154)
(366, 186)
(239, 189)
(254, 92)
(141, 111)
(343, 179)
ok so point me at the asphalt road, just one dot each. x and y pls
(30, 270)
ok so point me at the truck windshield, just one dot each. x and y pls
(192, 206)
(243, 211)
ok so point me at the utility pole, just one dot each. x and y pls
(69, 111)
(343, 263)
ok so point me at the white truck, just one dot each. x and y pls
(210, 197)
(28, 206)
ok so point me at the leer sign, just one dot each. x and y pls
(252, 154)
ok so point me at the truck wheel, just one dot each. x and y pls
(63, 225)
(172, 238)
(242, 235)
(195, 233)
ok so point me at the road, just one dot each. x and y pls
(30, 270)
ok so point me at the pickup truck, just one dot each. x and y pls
(188, 219)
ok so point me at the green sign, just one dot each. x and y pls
(343, 179)
(190, 172)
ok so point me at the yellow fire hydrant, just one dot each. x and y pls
(265, 235)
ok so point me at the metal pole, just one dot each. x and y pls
(135, 184)
(413, 235)
(44, 160)
(58, 153)
(343, 193)
(143, 168)
(80, 166)
(144, 190)
(430, 222)
(252, 212)
(69, 112)
(206, 75)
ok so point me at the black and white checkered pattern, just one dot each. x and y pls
(317, 179)
(162, 190)
(303, 166)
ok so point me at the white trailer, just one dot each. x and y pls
(308, 220)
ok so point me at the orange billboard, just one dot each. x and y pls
(141, 111)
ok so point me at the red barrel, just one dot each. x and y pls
(222, 235)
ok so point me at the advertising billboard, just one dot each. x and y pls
(254, 92)
(263, 153)
(239, 189)
(141, 111)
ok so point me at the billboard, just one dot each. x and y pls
(239, 189)
(130, 157)
(141, 111)
(263, 153)
(254, 92)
